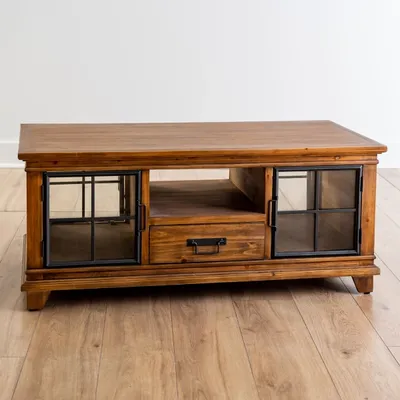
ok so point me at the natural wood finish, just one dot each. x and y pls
(380, 307)
(146, 203)
(189, 141)
(349, 345)
(368, 210)
(208, 201)
(217, 162)
(396, 353)
(138, 359)
(364, 284)
(199, 268)
(16, 325)
(10, 369)
(269, 175)
(36, 300)
(9, 223)
(285, 362)
(211, 362)
(168, 244)
(299, 263)
(34, 219)
(64, 355)
(192, 278)
(250, 181)
(13, 200)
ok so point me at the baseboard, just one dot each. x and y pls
(8, 155)
(9, 151)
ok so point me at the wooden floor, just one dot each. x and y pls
(286, 340)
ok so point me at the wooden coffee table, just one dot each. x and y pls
(298, 201)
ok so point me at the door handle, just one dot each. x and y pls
(272, 213)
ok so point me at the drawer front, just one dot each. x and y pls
(204, 243)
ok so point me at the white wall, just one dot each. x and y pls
(208, 60)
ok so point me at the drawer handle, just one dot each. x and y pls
(196, 243)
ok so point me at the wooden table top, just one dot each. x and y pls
(78, 142)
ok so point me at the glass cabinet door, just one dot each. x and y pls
(316, 211)
(92, 218)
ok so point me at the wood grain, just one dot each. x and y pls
(34, 219)
(146, 203)
(211, 360)
(204, 162)
(250, 181)
(396, 353)
(10, 369)
(63, 358)
(9, 223)
(75, 142)
(360, 364)
(168, 244)
(187, 278)
(380, 307)
(364, 284)
(284, 359)
(13, 199)
(269, 175)
(200, 201)
(16, 325)
(368, 209)
(138, 353)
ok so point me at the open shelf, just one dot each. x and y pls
(200, 201)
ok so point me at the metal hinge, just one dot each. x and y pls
(359, 236)
(362, 184)
(42, 193)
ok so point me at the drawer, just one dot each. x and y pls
(198, 243)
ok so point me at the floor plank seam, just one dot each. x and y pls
(12, 239)
(387, 266)
(370, 322)
(173, 345)
(395, 358)
(101, 351)
(387, 180)
(315, 344)
(27, 351)
(245, 347)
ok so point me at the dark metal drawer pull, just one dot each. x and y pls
(196, 243)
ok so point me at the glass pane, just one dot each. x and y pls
(114, 241)
(114, 195)
(295, 233)
(338, 189)
(70, 242)
(296, 190)
(64, 195)
(336, 231)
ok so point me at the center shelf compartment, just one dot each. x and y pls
(200, 201)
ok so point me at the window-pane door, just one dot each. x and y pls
(316, 211)
(92, 218)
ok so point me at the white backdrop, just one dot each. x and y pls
(208, 60)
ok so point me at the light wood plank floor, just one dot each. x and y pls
(316, 339)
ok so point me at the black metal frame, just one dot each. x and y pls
(316, 211)
(123, 217)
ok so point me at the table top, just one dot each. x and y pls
(79, 142)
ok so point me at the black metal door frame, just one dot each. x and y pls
(273, 215)
(92, 219)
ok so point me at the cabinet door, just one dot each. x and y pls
(92, 218)
(316, 211)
